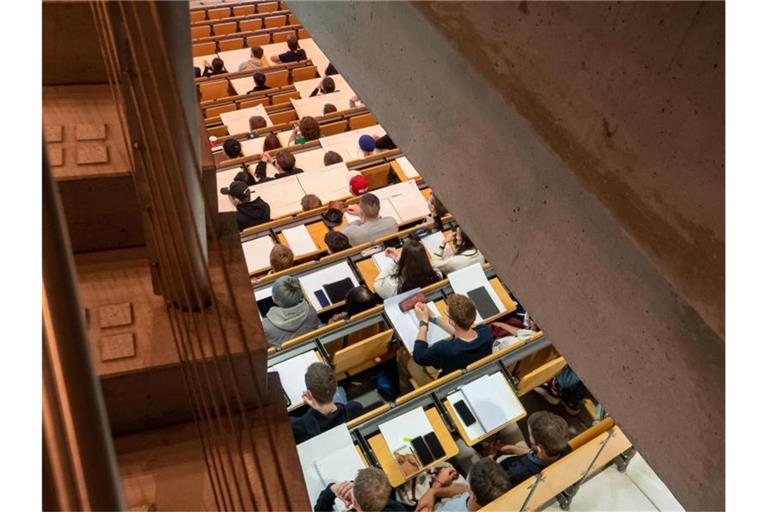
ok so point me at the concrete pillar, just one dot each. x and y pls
(581, 146)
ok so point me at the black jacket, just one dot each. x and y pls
(261, 172)
(252, 213)
(385, 142)
(260, 88)
(290, 56)
(313, 422)
(325, 502)
(522, 467)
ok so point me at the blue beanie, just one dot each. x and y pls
(367, 143)
(286, 292)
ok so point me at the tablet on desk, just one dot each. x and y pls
(264, 305)
(337, 291)
(483, 302)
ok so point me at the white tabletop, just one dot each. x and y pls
(237, 120)
(315, 54)
(233, 58)
(327, 183)
(315, 453)
(243, 85)
(283, 195)
(305, 87)
(313, 107)
(346, 144)
(310, 160)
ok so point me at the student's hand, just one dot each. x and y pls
(274, 58)
(266, 156)
(307, 397)
(451, 238)
(426, 503)
(423, 313)
(391, 252)
(337, 317)
(206, 64)
(354, 209)
(446, 476)
(375, 137)
(343, 491)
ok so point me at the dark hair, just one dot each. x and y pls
(257, 51)
(285, 160)
(257, 122)
(217, 64)
(360, 299)
(310, 129)
(321, 382)
(280, 257)
(461, 310)
(332, 157)
(487, 481)
(329, 108)
(271, 142)
(328, 84)
(330, 69)
(440, 210)
(310, 202)
(232, 148)
(414, 269)
(293, 43)
(466, 244)
(549, 431)
(259, 78)
(198, 74)
(336, 241)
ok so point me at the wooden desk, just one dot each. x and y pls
(401, 174)
(387, 461)
(369, 271)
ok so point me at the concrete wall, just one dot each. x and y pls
(581, 145)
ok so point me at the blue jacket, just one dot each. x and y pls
(450, 355)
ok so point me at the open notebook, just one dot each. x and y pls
(491, 401)
(407, 326)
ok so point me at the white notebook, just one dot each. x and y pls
(256, 253)
(492, 401)
(299, 240)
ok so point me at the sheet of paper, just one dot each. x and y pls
(252, 146)
(237, 120)
(233, 58)
(387, 210)
(256, 253)
(432, 242)
(408, 425)
(325, 445)
(492, 401)
(283, 195)
(406, 199)
(316, 279)
(385, 264)
(408, 169)
(242, 85)
(406, 325)
(340, 465)
(299, 240)
(223, 178)
(292, 375)
(470, 278)
(327, 183)
(310, 160)
(313, 107)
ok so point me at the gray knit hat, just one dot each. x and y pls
(286, 292)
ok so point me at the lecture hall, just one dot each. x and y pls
(354, 256)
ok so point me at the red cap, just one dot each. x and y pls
(358, 185)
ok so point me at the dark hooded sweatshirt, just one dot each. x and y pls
(252, 213)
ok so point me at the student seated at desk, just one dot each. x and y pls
(284, 162)
(328, 406)
(436, 212)
(358, 299)
(329, 108)
(255, 123)
(232, 148)
(308, 129)
(198, 73)
(421, 492)
(370, 492)
(280, 258)
(370, 226)
(249, 213)
(260, 80)
(487, 481)
(384, 142)
(291, 315)
(565, 389)
(330, 69)
(294, 53)
(215, 67)
(326, 86)
(332, 157)
(336, 241)
(467, 345)
(254, 62)
(358, 183)
(310, 202)
(548, 435)
(271, 142)
(456, 252)
(413, 270)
